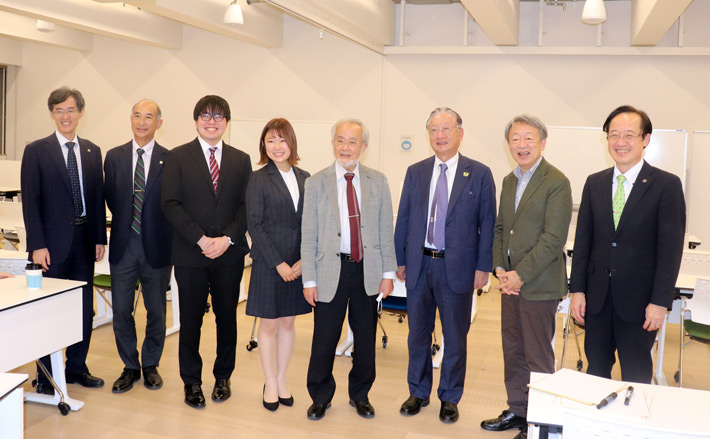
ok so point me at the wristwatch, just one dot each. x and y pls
(229, 240)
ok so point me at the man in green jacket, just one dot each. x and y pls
(528, 259)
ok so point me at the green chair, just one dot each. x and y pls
(697, 326)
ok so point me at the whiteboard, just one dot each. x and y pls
(698, 200)
(311, 137)
(581, 151)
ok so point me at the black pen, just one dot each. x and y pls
(612, 396)
(629, 392)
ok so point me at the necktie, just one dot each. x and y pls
(354, 217)
(439, 206)
(619, 200)
(138, 191)
(214, 169)
(73, 170)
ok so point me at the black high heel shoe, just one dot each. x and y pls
(271, 406)
(288, 402)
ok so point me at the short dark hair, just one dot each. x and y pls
(212, 104)
(283, 128)
(646, 126)
(62, 94)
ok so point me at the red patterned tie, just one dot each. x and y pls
(214, 169)
(354, 217)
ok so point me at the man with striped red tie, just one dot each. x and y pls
(139, 249)
(203, 198)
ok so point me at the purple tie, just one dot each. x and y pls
(439, 206)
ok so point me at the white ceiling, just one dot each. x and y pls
(370, 23)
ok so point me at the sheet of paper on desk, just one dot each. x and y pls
(579, 390)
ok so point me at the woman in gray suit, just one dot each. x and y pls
(274, 208)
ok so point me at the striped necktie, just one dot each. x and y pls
(214, 169)
(138, 191)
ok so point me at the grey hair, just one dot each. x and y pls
(365, 131)
(447, 110)
(527, 119)
(158, 113)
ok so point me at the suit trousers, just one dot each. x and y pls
(432, 291)
(133, 267)
(607, 332)
(527, 329)
(328, 325)
(79, 265)
(221, 282)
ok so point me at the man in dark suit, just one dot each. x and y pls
(627, 251)
(347, 260)
(203, 198)
(65, 216)
(140, 245)
(528, 256)
(443, 240)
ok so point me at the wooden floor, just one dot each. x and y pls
(145, 414)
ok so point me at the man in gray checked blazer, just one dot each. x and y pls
(343, 270)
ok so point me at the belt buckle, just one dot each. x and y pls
(436, 255)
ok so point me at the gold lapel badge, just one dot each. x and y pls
(465, 174)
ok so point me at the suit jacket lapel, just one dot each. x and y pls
(533, 185)
(463, 171)
(157, 159)
(643, 181)
(54, 150)
(331, 191)
(279, 182)
(85, 169)
(301, 180)
(605, 195)
(425, 182)
(224, 168)
(365, 188)
(199, 157)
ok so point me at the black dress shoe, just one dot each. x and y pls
(522, 435)
(270, 406)
(412, 405)
(316, 411)
(504, 421)
(449, 412)
(288, 402)
(85, 379)
(222, 390)
(124, 383)
(151, 378)
(43, 388)
(194, 396)
(363, 408)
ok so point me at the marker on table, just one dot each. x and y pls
(629, 392)
(603, 403)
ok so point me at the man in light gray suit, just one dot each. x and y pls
(348, 258)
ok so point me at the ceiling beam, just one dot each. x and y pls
(24, 28)
(499, 20)
(369, 23)
(10, 52)
(111, 20)
(651, 19)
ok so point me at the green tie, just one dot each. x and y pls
(619, 200)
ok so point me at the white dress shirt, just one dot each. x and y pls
(292, 185)
(451, 165)
(147, 152)
(630, 175)
(206, 151)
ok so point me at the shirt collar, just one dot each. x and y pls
(206, 146)
(449, 163)
(518, 172)
(148, 148)
(62, 140)
(631, 174)
(340, 171)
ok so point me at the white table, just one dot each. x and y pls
(11, 413)
(35, 323)
(674, 410)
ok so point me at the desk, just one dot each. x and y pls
(60, 305)
(673, 410)
(11, 413)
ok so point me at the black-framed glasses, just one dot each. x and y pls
(207, 116)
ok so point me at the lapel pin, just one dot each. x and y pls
(465, 174)
(88, 150)
(644, 180)
(161, 162)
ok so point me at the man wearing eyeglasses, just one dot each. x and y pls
(529, 261)
(140, 246)
(347, 255)
(443, 240)
(203, 198)
(65, 217)
(627, 251)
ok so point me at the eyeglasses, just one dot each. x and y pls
(61, 111)
(628, 137)
(350, 142)
(445, 131)
(207, 116)
(518, 140)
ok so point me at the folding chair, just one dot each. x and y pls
(697, 326)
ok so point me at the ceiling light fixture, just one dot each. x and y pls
(233, 14)
(44, 26)
(594, 12)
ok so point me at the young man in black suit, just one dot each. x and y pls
(65, 217)
(627, 251)
(203, 198)
(140, 245)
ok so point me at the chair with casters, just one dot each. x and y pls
(102, 287)
(697, 324)
(573, 327)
